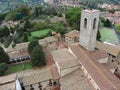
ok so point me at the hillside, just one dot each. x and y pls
(102, 1)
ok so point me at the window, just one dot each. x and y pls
(94, 23)
(85, 23)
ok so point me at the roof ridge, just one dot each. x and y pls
(76, 49)
(96, 66)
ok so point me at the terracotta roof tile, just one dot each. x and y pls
(36, 76)
(64, 58)
(73, 33)
(76, 80)
(7, 79)
(8, 82)
(103, 78)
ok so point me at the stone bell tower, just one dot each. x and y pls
(89, 28)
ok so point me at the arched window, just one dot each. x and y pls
(85, 23)
(94, 23)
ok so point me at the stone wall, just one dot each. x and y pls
(110, 49)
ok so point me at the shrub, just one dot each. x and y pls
(59, 14)
(38, 56)
(8, 41)
(3, 68)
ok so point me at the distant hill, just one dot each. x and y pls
(102, 1)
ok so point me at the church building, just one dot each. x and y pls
(87, 59)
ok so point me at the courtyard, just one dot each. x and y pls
(39, 34)
(18, 67)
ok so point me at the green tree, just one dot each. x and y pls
(2, 17)
(73, 17)
(91, 4)
(23, 10)
(27, 24)
(38, 11)
(112, 11)
(107, 23)
(24, 38)
(31, 45)
(2, 40)
(58, 27)
(59, 14)
(38, 56)
(38, 26)
(98, 35)
(11, 16)
(4, 32)
(3, 56)
(3, 68)
(118, 27)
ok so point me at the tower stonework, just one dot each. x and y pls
(89, 28)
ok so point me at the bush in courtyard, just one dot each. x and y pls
(3, 56)
(59, 14)
(3, 68)
(31, 45)
(38, 56)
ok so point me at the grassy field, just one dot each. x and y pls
(108, 35)
(19, 67)
(40, 33)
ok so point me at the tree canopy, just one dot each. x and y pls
(3, 56)
(38, 56)
(106, 23)
(3, 67)
(42, 10)
(17, 13)
(4, 32)
(23, 10)
(73, 17)
(11, 16)
(31, 45)
(118, 27)
(36, 53)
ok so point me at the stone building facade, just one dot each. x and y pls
(89, 27)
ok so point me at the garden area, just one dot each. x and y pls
(108, 35)
(37, 59)
(39, 34)
(18, 67)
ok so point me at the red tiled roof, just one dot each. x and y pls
(56, 88)
(96, 54)
(73, 34)
(88, 10)
(117, 21)
(7, 79)
(58, 35)
(64, 58)
(103, 78)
